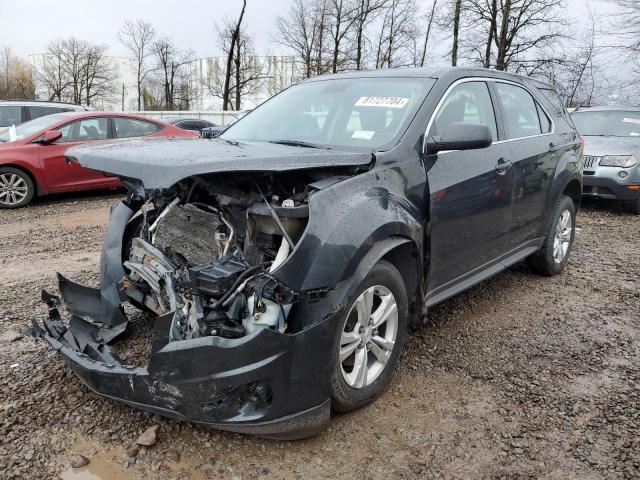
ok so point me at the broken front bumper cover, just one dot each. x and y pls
(267, 383)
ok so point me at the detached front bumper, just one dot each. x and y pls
(267, 383)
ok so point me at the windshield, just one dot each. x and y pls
(608, 123)
(29, 128)
(352, 113)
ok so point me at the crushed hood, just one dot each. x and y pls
(161, 162)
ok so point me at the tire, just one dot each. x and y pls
(548, 261)
(16, 188)
(383, 280)
(632, 206)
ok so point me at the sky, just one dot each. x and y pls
(28, 25)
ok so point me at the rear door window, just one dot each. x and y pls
(10, 115)
(41, 111)
(520, 111)
(131, 127)
(468, 102)
(85, 130)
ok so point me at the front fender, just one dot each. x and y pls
(345, 222)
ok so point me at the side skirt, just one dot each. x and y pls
(483, 272)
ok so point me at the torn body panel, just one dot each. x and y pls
(246, 276)
(257, 384)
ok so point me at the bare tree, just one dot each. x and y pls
(170, 64)
(627, 25)
(429, 22)
(298, 31)
(342, 17)
(577, 73)
(457, 9)
(515, 28)
(366, 12)
(229, 33)
(245, 77)
(396, 45)
(76, 71)
(137, 37)
(99, 75)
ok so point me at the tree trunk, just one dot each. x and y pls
(426, 37)
(456, 31)
(492, 34)
(228, 72)
(502, 39)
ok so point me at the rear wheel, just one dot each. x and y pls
(369, 339)
(554, 254)
(16, 188)
(632, 206)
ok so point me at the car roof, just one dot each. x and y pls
(71, 115)
(184, 119)
(42, 103)
(432, 72)
(607, 108)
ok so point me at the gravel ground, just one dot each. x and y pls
(520, 377)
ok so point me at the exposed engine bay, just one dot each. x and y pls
(205, 250)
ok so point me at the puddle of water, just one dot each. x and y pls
(103, 465)
(108, 465)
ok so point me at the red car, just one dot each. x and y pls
(32, 155)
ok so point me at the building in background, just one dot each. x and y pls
(261, 77)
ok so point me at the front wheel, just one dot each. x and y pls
(554, 254)
(369, 339)
(16, 188)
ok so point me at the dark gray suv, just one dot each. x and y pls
(15, 112)
(282, 261)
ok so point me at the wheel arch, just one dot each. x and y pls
(32, 176)
(573, 190)
(404, 254)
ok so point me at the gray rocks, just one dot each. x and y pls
(149, 437)
(78, 461)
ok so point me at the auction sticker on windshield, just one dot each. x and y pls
(388, 102)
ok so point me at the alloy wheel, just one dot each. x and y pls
(562, 237)
(13, 189)
(368, 336)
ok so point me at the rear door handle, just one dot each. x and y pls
(503, 166)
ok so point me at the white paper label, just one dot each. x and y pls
(387, 102)
(632, 120)
(363, 134)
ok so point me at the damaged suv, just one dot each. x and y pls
(280, 263)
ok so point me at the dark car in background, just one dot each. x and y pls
(611, 153)
(281, 262)
(217, 130)
(32, 160)
(15, 112)
(195, 124)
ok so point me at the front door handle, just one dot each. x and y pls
(503, 166)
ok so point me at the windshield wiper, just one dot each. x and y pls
(296, 143)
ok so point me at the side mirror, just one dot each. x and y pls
(461, 136)
(51, 136)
